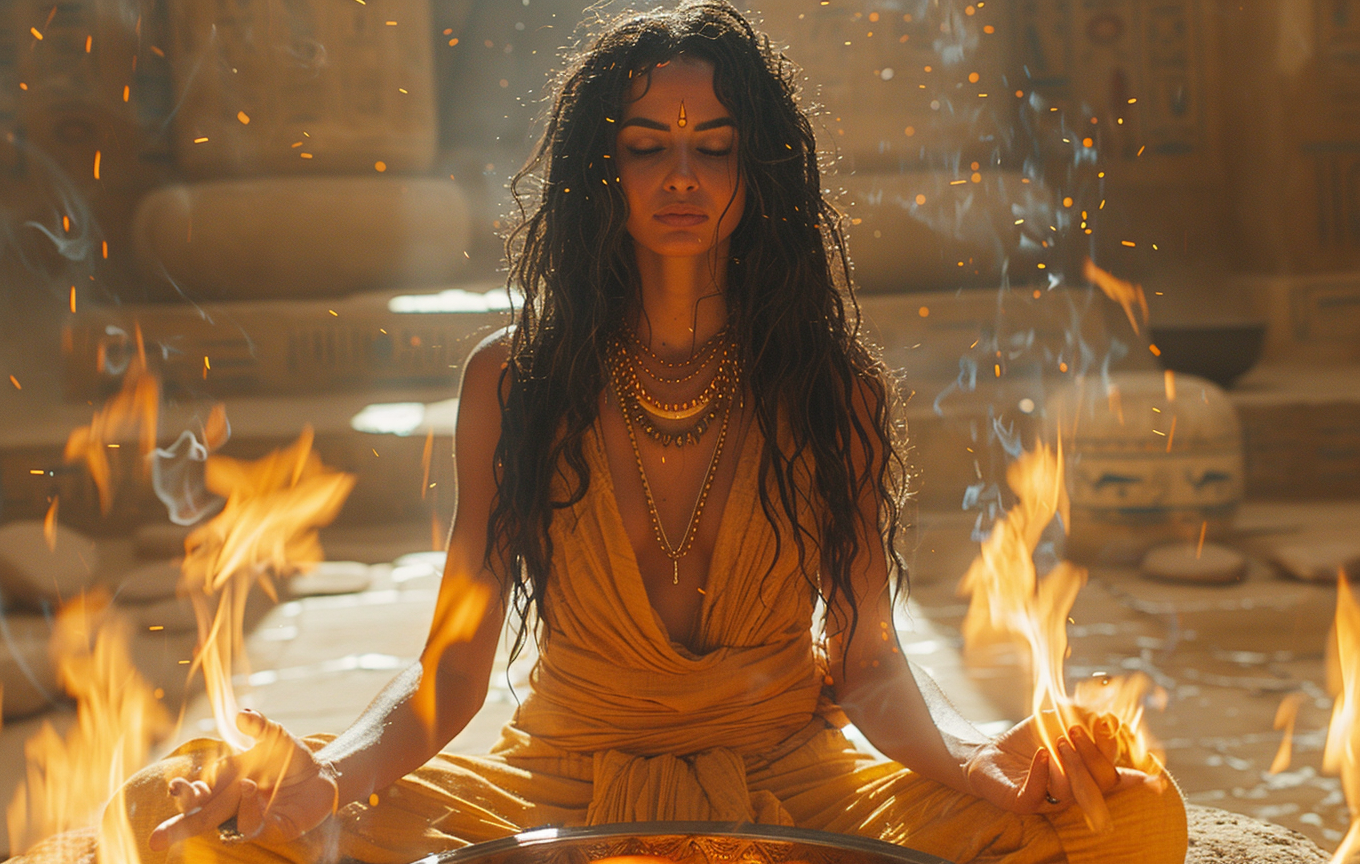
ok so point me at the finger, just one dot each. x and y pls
(250, 815)
(252, 722)
(1107, 737)
(1087, 795)
(1059, 782)
(213, 812)
(1102, 770)
(1133, 777)
(189, 795)
(1032, 797)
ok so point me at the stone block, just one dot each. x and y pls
(172, 615)
(33, 574)
(147, 583)
(276, 86)
(27, 676)
(306, 236)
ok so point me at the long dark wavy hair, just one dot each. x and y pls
(788, 287)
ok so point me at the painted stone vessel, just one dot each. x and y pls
(1151, 458)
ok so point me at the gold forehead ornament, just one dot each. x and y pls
(681, 120)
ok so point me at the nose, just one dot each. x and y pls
(681, 177)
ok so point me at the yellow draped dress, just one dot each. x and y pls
(622, 724)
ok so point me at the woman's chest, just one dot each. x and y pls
(673, 503)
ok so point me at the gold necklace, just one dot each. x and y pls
(700, 354)
(641, 366)
(691, 528)
(717, 387)
(641, 406)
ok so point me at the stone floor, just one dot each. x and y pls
(1225, 656)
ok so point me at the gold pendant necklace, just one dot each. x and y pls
(641, 406)
(675, 553)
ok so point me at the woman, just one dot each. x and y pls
(680, 448)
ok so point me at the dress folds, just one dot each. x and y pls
(621, 724)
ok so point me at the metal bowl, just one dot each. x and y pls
(682, 843)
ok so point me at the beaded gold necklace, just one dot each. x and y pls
(641, 406)
(675, 553)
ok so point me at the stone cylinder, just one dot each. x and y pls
(1150, 458)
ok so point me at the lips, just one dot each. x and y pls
(681, 218)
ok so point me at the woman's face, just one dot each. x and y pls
(677, 155)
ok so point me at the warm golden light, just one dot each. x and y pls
(70, 778)
(1009, 604)
(267, 528)
(1341, 755)
(131, 413)
(1126, 294)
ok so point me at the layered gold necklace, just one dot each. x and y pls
(629, 366)
(640, 406)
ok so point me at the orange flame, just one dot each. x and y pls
(459, 610)
(1126, 294)
(132, 412)
(71, 778)
(1342, 751)
(1009, 602)
(50, 524)
(268, 527)
(1285, 716)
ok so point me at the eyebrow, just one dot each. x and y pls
(664, 127)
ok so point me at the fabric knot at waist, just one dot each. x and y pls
(705, 786)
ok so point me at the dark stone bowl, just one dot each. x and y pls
(1220, 352)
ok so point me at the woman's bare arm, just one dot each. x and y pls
(279, 788)
(403, 728)
(906, 716)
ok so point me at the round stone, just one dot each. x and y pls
(1220, 837)
(331, 577)
(1187, 562)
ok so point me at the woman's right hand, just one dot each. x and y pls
(277, 790)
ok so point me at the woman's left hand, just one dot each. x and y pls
(1016, 772)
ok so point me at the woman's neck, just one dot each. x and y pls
(683, 302)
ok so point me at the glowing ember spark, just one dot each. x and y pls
(71, 778)
(1342, 751)
(268, 527)
(133, 411)
(1008, 602)
(1126, 294)
(425, 462)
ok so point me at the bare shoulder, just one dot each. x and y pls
(482, 371)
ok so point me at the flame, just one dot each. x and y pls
(1285, 716)
(1126, 294)
(70, 779)
(268, 527)
(50, 524)
(1342, 751)
(459, 610)
(132, 412)
(1008, 602)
